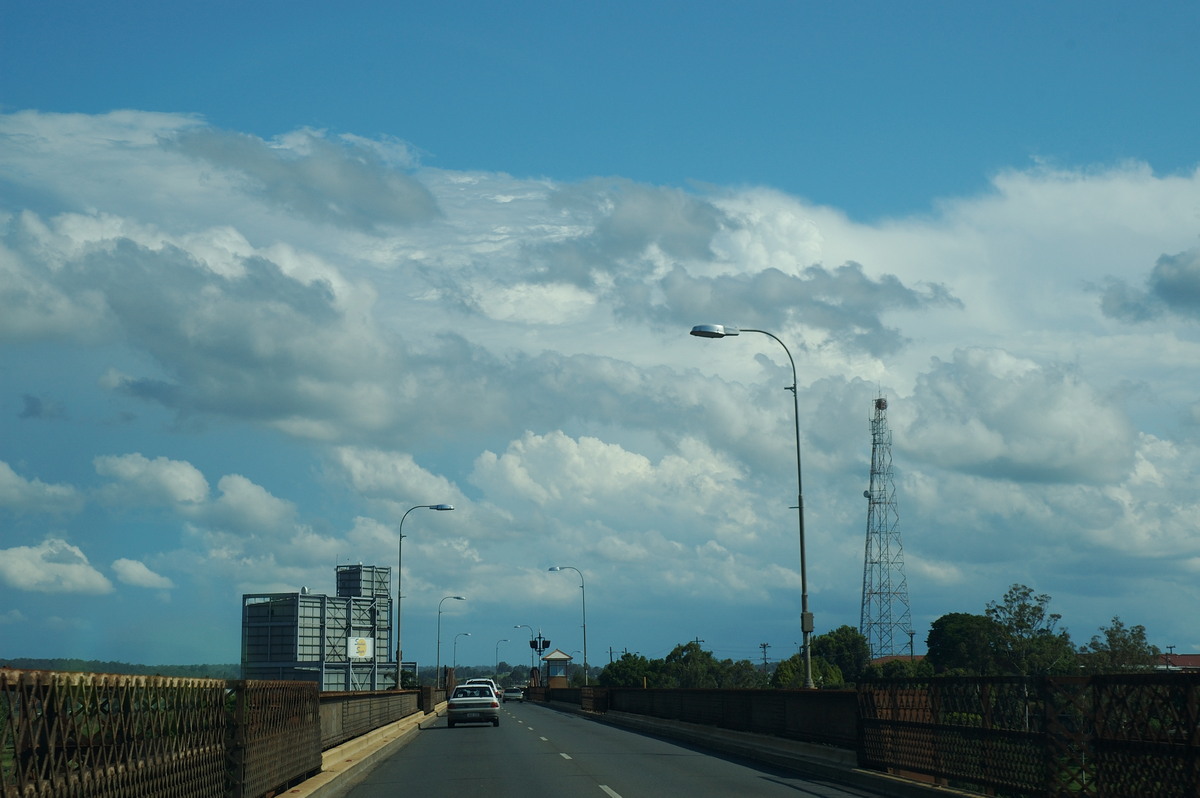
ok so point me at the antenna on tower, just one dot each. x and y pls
(885, 616)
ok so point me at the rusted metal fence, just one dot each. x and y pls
(80, 735)
(820, 716)
(1129, 736)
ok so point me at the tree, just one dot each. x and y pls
(631, 670)
(962, 644)
(844, 647)
(789, 674)
(688, 665)
(1028, 643)
(899, 668)
(743, 675)
(1122, 650)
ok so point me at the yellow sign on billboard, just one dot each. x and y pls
(360, 647)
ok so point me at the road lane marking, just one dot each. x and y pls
(564, 756)
(609, 791)
(544, 739)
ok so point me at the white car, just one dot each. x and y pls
(495, 687)
(473, 703)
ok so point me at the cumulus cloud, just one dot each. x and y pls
(159, 481)
(245, 506)
(134, 572)
(53, 566)
(343, 183)
(519, 348)
(33, 495)
(989, 413)
(1171, 288)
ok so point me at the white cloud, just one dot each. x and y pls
(157, 481)
(988, 412)
(33, 495)
(519, 348)
(245, 506)
(134, 572)
(53, 566)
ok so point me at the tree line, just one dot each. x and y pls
(207, 671)
(1016, 636)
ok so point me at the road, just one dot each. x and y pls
(540, 751)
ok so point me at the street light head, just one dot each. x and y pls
(441, 507)
(554, 568)
(714, 330)
(459, 598)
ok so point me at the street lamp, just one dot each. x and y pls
(498, 642)
(454, 661)
(399, 576)
(438, 680)
(806, 618)
(582, 588)
(530, 628)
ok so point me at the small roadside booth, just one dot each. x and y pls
(556, 668)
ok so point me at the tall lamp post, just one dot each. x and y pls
(498, 642)
(530, 628)
(806, 618)
(584, 591)
(454, 660)
(438, 680)
(399, 576)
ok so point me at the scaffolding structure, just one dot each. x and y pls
(341, 642)
(886, 620)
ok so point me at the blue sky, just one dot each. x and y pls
(273, 274)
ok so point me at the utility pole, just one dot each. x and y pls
(764, 647)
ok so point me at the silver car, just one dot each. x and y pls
(473, 703)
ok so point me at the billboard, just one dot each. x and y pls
(360, 648)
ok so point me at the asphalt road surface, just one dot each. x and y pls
(543, 752)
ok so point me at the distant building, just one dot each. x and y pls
(1179, 662)
(341, 642)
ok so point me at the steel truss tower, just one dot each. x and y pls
(885, 621)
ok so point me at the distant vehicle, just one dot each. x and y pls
(513, 694)
(473, 703)
(495, 687)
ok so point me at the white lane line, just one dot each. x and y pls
(544, 739)
(564, 756)
(609, 791)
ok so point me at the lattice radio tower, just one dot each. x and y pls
(885, 621)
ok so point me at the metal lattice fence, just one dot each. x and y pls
(1127, 736)
(77, 735)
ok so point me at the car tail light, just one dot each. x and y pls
(495, 704)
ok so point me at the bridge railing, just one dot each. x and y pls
(1110, 736)
(828, 717)
(82, 734)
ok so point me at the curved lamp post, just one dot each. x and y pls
(454, 660)
(438, 680)
(498, 642)
(530, 628)
(806, 618)
(584, 590)
(399, 576)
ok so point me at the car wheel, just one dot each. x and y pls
(496, 722)
(449, 724)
